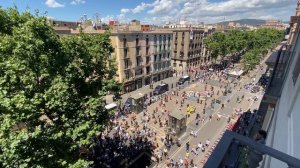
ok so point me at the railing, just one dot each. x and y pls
(217, 158)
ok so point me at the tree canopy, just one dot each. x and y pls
(252, 42)
(51, 92)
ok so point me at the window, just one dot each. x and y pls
(137, 42)
(139, 61)
(137, 51)
(296, 70)
(148, 70)
(139, 71)
(124, 42)
(148, 59)
(126, 64)
(125, 53)
(127, 75)
(147, 50)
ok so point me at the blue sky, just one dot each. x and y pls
(159, 11)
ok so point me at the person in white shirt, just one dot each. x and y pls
(192, 133)
(181, 162)
(199, 147)
(207, 142)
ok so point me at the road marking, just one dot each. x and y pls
(157, 130)
(215, 112)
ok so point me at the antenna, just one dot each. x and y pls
(97, 18)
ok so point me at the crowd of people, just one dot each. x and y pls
(118, 150)
(128, 134)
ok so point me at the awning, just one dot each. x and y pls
(110, 106)
(236, 73)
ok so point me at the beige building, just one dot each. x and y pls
(188, 48)
(142, 57)
(274, 24)
(231, 24)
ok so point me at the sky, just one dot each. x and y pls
(158, 11)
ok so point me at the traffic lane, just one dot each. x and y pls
(146, 89)
(210, 130)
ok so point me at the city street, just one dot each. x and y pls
(212, 124)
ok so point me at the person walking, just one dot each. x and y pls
(187, 146)
(207, 142)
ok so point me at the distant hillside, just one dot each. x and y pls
(286, 22)
(252, 22)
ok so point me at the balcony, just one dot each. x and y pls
(229, 152)
(278, 62)
(139, 73)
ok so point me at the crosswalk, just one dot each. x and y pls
(159, 133)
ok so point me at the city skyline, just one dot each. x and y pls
(158, 11)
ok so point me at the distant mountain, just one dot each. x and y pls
(252, 22)
(286, 22)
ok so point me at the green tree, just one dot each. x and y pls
(51, 92)
(252, 43)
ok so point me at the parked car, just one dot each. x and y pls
(184, 79)
(161, 88)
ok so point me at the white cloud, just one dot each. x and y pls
(124, 11)
(140, 7)
(78, 2)
(162, 6)
(210, 11)
(53, 4)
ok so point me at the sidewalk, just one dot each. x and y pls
(146, 89)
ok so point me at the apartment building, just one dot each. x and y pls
(142, 57)
(188, 48)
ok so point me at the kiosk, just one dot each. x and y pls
(177, 120)
(135, 102)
